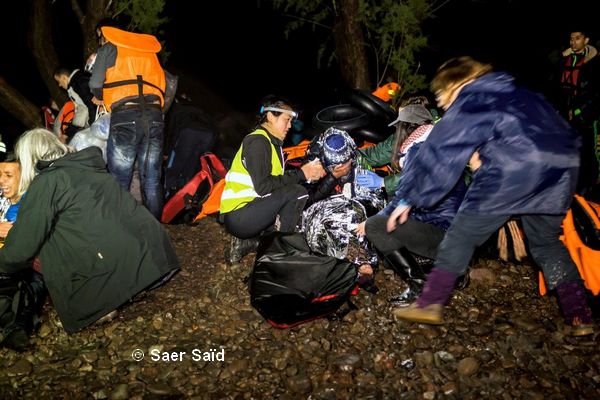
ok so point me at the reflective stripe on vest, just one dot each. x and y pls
(239, 188)
(136, 68)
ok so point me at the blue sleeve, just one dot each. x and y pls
(439, 163)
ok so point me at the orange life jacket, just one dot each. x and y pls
(387, 91)
(65, 116)
(585, 255)
(137, 70)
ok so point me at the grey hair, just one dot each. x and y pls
(36, 145)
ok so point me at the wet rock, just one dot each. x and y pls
(467, 366)
(21, 367)
(44, 330)
(161, 389)
(347, 362)
(482, 276)
(120, 392)
(300, 384)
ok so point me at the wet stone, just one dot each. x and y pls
(467, 366)
(160, 389)
(21, 367)
(300, 384)
(347, 362)
(120, 392)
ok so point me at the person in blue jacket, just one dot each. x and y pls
(529, 167)
(425, 228)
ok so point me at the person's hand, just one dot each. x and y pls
(313, 170)
(341, 169)
(475, 162)
(4, 228)
(400, 215)
(360, 229)
(97, 102)
(369, 179)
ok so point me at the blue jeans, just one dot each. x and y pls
(133, 136)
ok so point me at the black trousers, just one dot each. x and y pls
(418, 237)
(260, 214)
(542, 231)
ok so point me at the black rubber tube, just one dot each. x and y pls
(342, 116)
(379, 111)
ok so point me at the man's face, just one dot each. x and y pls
(10, 176)
(578, 41)
(62, 80)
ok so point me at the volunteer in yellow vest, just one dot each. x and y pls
(259, 195)
(129, 80)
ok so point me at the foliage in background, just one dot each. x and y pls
(143, 16)
(392, 30)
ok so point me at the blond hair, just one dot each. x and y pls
(454, 73)
(36, 145)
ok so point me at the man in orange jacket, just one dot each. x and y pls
(129, 80)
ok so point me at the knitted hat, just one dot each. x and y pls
(338, 147)
(414, 114)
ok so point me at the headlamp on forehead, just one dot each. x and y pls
(293, 114)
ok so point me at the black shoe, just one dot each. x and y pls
(17, 340)
(409, 295)
(238, 248)
(462, 282)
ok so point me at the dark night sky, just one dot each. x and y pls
(237, 48)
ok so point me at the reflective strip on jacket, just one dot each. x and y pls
(239, 188)
(136, 67)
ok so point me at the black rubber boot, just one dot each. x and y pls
(238, 248)
(404, 264)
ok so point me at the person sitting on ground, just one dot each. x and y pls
(424, 230)
(338, 169)
(76, 83)
(529, 166)
(87, 229)
(259, 195)
(329, 224)
(24, 291)
(390, 151)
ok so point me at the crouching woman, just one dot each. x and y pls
(97, 246)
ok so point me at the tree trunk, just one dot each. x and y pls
(42, 47)
(349, 45)
(95, 10)
(18, 106)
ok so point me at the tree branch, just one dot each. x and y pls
(78, 11)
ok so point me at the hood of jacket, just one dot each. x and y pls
(89, 158)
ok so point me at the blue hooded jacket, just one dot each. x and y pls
(529, 154)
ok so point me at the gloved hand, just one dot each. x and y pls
(369, 179)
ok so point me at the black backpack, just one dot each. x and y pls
(290, 285)
(17, 305)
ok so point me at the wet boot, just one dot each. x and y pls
(429, 307)
(411, 272)
(575, 309)
(238, 248)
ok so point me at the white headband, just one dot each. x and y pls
(294, 114)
